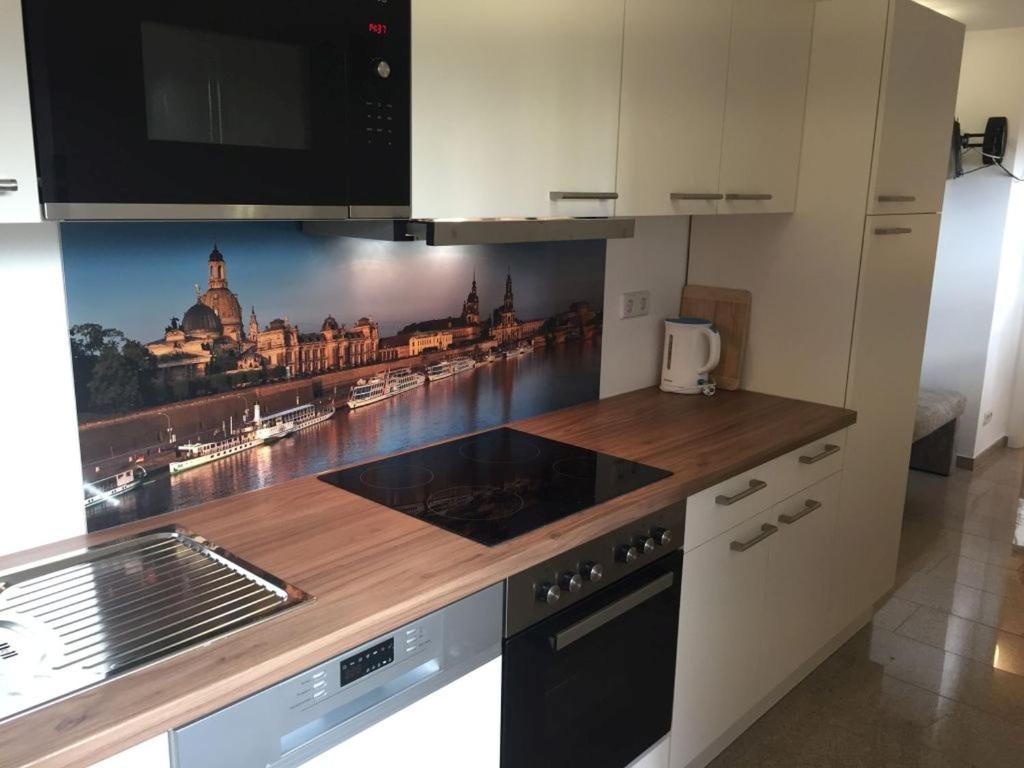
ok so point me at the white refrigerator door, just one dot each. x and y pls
(458, 726)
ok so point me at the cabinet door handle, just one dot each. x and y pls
(897, 199)
(742, 546)
(728, 501)
(893, 231)
(759, 196)
(809, 506)
(584, 195)
(829, 450)
(696, 196)
(8, 185)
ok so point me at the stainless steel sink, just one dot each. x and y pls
(75, 621)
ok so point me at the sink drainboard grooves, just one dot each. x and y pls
(112, 608)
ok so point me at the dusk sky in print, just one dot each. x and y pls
(135, 277)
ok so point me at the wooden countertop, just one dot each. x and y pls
(372, 569)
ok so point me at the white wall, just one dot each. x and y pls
(654, 260)
(975, 319)
(803, 269)
(40, 470)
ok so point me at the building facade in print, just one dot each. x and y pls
(506, 328)
(333, 347)
(464, 329)
(221, 300)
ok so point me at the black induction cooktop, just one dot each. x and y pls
(496, 485)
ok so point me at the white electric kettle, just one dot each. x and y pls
(692, 350)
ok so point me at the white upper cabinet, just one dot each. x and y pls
(915, 116)
(769, 61)
(713, 96)
(674, 68)
(514, 103)
(19, 192)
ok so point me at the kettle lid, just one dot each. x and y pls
(689, 321)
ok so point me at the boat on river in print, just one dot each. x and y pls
(377, 388)
(262, 430)
(448, 368)
(110, 487)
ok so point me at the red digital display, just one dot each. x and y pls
(377, 28)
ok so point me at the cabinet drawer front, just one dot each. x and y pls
(806, 466)
(717, 509)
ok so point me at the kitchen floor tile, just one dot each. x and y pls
(979, 642)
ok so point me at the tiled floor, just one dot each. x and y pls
(937, 679)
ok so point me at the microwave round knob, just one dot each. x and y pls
(382, 69)
(548, 593)
(662, 536)
(644, 544)
(627, 554)
(571, 581)
(592, 571)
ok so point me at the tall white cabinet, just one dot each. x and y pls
(19, 192)
(915, 115)
(885, 369)
(515, 107)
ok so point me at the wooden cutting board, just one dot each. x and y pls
(729, 310)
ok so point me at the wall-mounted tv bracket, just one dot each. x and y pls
(993, 140)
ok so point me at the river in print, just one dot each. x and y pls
(217, 359)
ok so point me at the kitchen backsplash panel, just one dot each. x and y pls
(217, 358)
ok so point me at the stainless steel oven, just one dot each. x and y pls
(229, 109)
(590, 650)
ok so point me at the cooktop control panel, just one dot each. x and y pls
(566, 579)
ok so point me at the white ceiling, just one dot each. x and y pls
(981, 14)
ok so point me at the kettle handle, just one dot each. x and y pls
(715, 351)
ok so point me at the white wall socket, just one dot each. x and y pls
(635, 304)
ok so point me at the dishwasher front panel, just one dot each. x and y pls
(292, 722)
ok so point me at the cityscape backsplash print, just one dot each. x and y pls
(215, 359)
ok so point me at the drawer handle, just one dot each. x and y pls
(809, 506)
(894, 231)
(584, 195)
(897, 199)
(728, 501)
(742, 546)
(829, 450)
(8, 185)
(757, 196)
(696, 196)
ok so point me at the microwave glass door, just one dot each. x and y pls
(228, 103)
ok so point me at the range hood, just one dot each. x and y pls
(477, 231)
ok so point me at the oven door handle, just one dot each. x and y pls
(598, 619)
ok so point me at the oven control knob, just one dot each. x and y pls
(644, 544)
(382, 69)
(548, 593)
(627, 554)
(571, 581)
(662, 536)
(592, 571)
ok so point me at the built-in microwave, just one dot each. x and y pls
(275, 109)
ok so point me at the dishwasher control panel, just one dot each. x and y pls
(370, 660)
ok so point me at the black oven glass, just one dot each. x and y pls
(604, 698)
(233, 102)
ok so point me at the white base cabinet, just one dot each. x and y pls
(755, 597)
